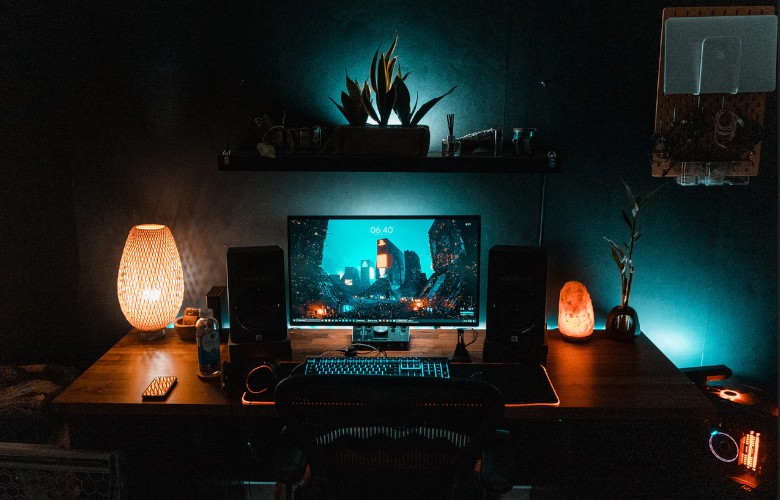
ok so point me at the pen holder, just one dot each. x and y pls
(450, 146)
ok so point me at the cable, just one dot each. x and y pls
(725, 130)
(475, 337)
(352, 350)
(542, 189)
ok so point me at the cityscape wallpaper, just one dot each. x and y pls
(407, 270)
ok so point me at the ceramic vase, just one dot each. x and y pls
(623, 323)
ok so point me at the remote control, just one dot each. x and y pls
(159, 388)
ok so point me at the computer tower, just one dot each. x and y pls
(256, 294)
(741, 436)
(516, 305)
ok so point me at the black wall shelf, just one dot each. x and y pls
(253, 162)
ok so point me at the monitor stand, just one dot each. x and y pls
(390, 337)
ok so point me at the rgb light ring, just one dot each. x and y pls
(715, 435)
(729, 394)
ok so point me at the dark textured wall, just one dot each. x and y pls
(150, 94)
(38, 244)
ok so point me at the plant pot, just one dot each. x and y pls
(623, 323)
(390, 140)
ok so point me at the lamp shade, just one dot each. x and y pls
(150, 284)
(575, 312)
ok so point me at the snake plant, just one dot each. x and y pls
(352, 103)
(387, 84)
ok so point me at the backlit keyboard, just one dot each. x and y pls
(379, 366)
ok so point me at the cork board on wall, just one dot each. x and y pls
(672, 112)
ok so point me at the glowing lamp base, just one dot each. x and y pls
(153, 335)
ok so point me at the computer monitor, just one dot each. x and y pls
(383, 274)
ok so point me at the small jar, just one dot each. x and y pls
(523, 141)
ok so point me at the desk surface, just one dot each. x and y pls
(602, 378)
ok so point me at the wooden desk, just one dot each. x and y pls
(624, 411)
(599, 379)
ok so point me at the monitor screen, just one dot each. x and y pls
(384, 270)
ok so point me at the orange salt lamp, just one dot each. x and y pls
(575, 312)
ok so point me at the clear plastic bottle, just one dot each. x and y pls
(207, 338)
(517, 142)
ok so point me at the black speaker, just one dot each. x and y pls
(516, 299)
(256, 294)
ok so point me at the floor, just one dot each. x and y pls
(265, 491)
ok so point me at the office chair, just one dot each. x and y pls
(391, 437)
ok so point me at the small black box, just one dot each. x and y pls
(216, 300)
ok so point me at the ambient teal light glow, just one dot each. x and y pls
(427, 78)
(678, 345)
(677, 333)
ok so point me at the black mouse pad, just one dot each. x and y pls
(521, 384)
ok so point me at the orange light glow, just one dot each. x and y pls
(729, 394)
(317, 311)
(381, 260)
(749, 446)
(150, 284)
(739, 397)
(575, 312)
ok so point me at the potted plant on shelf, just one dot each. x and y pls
(623, 320)
(390, 94)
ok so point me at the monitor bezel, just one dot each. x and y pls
(415, 324)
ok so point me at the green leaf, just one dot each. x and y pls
(385, 91)
(428, 105)
(402, 100)
(381, 88)
(620, 252)
(340, 109)
(628, 220)
(617, 259)
(617, 253)
(372, 73)
(353, 87)
(392, 47)
(414, 108)
(346, 102)
(385, 112)
(630, 193)
(389, 71)
(368, 106)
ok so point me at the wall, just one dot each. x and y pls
(38, 246)
(159, 90)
